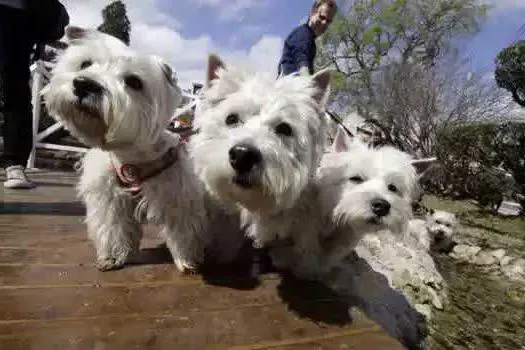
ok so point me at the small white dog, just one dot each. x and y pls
(436, 232)
(119, 103)
(260, 141)
(359, 190)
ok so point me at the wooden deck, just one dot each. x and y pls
(52, 297)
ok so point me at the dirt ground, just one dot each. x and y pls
(484, 311)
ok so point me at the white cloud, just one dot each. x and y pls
(156, 32)
(231, 10)
(266, 52)
(89, 12)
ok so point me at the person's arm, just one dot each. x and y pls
(302, 45)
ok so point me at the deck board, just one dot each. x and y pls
(52, 296)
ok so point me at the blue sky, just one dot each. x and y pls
(502, 28)
(185, 31)
(238, 29)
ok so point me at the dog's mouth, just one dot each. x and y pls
(88, 109)
(374, 220)
(439, 236)
(243, 181)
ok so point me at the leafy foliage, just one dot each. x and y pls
(368, 35)
(474, 160)
(116, 21)
(510, 71)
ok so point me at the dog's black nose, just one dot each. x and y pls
(244, 157)
(83, 87)
(439, 236)
(380, 207)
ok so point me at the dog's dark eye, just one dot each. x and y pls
(283, 129)
(392, 188)
(439, 222)
(232, 119)
(357, 179)
(86, 64)
(133, 82)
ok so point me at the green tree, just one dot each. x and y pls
(510, 71)
(368, 35)
(475, 160)
(510, 148)
(116, 21)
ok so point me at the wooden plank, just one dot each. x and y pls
(96, 299)
(19, 276)
(52, 297)
(222, 329)
(80, 255)
(367, 338)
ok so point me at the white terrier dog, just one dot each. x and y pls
(260, 141)
(436, 232)
(119, 103)
(359, 190)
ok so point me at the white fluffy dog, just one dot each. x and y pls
(119, 103)
(359, 190)
(260, 141)
(436, 232)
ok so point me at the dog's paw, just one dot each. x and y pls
(108, 264)
(185, 266)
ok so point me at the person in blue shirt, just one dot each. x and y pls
(299, 49)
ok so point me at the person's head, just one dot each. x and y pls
(321, 15)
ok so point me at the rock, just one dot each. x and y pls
(373, 293)
(407, 266)
(395, 282)
(505, 260)
(425, 310)
(465, 252)
(436, 300)
(485, 259)
(515, 270)
(498, 254)
(508, 208)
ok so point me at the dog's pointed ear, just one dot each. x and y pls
(322, 81)
(423, 165)
(341, 141)
(214, 64)
(169, 73)
(74, 32)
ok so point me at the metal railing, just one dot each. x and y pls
(38, 73)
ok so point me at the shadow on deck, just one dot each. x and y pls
(51, 295)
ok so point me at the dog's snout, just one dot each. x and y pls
(83, 86)
(244, 157)
(380, 207)
(440, 235)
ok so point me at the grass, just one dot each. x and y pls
(484, 311)
(485, 229)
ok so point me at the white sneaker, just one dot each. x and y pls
(16, 178)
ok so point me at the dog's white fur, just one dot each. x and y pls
(436, 232)
(125, 124)
(281, 121)
(336, 210)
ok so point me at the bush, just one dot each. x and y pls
(471, 156)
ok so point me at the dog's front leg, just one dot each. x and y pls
(112, 228)
(186, 247)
